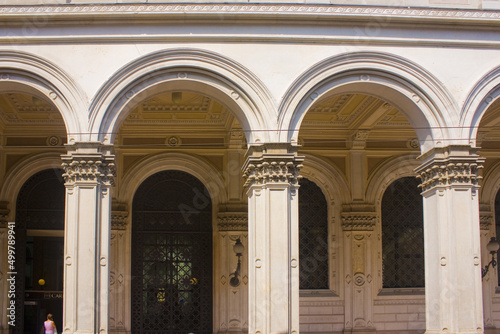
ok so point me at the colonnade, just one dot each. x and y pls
(449, 181)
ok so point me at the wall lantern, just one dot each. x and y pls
(238, 248)
(492, 247)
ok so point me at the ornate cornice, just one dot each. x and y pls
(88, 162)
(359, 221)
(288, 10)
(450, 166)
(272, 163)
(232, 221)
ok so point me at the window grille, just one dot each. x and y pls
(313, 236)
(403, 235)
(172, 256)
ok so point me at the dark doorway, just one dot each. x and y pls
(172, 255)
(39, 228)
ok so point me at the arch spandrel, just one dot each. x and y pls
(415, 92)
(483, 94)
(191, 69)
(24, 72)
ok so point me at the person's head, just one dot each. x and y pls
(49, 317)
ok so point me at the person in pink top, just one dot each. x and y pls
(50, 326)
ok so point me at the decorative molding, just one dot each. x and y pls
(349, 12)
(320, 303)
(272, 163)
(420, 301)
(232, 221)
(119, 220)
(359, 139)
(485, 220)
(88, 162)
(359, 221)
(450, 166)
(4, 213)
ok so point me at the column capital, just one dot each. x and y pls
(450, 166)
(119, 215)
(358, 221)
(232, 221)
(89, 162)
(272, 163)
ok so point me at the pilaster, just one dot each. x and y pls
(272, 173)
(486, 220)
(232, 312)
(89, 174)
(453, 289)
(119, 267)
(358, 230)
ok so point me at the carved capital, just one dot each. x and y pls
(450, 166)
(485, 220)
(232, 221)
(359, 221)
(359, 139)
(272, 163)
(89, 162)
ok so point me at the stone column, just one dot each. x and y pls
(490, 280)
(119, 267)
(453, 291)
(4, 286)
(358, 238)
(272, 172)
(89, 172)
(232, 310)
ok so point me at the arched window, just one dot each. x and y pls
(313, 237)
(403, 235)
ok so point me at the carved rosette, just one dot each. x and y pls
(232, 221)
(358, 222)
(444, 168)
(273, 164)
(92, 167)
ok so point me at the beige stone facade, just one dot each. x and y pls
(248, 98)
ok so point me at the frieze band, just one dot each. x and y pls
(352, 222)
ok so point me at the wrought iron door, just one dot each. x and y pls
(172, 256)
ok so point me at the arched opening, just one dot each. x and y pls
(359, 134)
(313, 237)
(39, 248)
(172, 255)
(403, 235)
